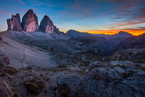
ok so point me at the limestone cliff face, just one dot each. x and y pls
(56, 30)
(30, 21)
(46, 25)
(14, 23)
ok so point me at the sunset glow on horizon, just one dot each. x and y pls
(112, 32)
(91, 16)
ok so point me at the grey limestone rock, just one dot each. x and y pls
(14, 23)
(30, 21)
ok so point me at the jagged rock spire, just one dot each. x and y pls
(30, 21)
(14, 23)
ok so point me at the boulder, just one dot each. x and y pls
(14, 23)
(30, 21)
(4, 61)
(68, 86)
(96, 64)
(5, 89)
(1, 40)
(32, 88)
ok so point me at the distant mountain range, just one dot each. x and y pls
(106, 44)
(133, 42)
(77, 34)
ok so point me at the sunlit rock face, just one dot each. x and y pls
(30, 21)
(14, 23)
(46, 25)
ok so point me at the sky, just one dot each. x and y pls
(92, 16)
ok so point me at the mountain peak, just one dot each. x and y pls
(30, 11)
(124, 33)
(30, 21)
(46, 25)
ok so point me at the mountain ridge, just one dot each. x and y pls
(30, 23)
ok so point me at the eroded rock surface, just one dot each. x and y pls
(117, 79)
(68, 86)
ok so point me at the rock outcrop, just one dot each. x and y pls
(47, 25)
(56, 30)
(68, 86)
(14, 23)
(5, 90)
(4, 61)
(116, 79)
(30, 21)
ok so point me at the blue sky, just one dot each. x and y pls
(81, 15)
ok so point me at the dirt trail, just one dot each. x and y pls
(23, 58)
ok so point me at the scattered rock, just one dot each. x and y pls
(96, 64)
(113, 80)
(4, 61)
(68, 86)
(29, 67)
(5, 89)
(32, 88)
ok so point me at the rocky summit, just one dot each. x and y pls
(30, 23)
(46, 25)
(14, 23)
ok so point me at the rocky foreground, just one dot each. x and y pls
(72, 74)
(98, 79)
